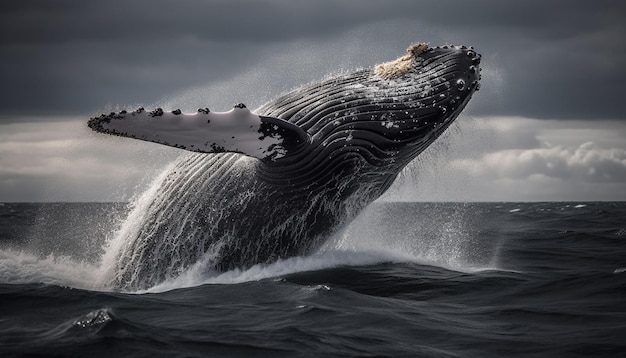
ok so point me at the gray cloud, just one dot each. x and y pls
(557, 59)
(65, 161)
(587, 162)
(510, 159)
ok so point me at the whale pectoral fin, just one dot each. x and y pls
(237, 130)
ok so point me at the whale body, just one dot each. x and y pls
(277, 182)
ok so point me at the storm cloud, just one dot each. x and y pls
(556, 59)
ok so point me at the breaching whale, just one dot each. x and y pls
(280, 180)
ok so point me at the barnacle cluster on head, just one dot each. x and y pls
(402, 65)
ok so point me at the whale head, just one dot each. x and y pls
(422, 93)
(388, 114)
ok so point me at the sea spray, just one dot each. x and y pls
(439, 234)
(19, 267)
(129, 228)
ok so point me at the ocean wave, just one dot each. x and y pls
(327, 258)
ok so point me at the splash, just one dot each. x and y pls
(385, 232)
(433, 234)
(129, 228)
(18, 267)
(429, 234)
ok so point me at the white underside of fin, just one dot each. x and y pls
(237, 130)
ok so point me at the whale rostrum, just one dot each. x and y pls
(278, 181)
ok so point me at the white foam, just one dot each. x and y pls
(198, 275)
(18, 267)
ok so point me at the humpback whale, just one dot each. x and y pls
(279, 180)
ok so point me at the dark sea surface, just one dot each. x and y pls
(403, 280)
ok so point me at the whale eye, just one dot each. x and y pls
(460, 85)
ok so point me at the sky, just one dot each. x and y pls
(547, 124)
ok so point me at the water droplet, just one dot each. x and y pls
(460, 85)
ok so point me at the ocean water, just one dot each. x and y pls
(403, 280)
